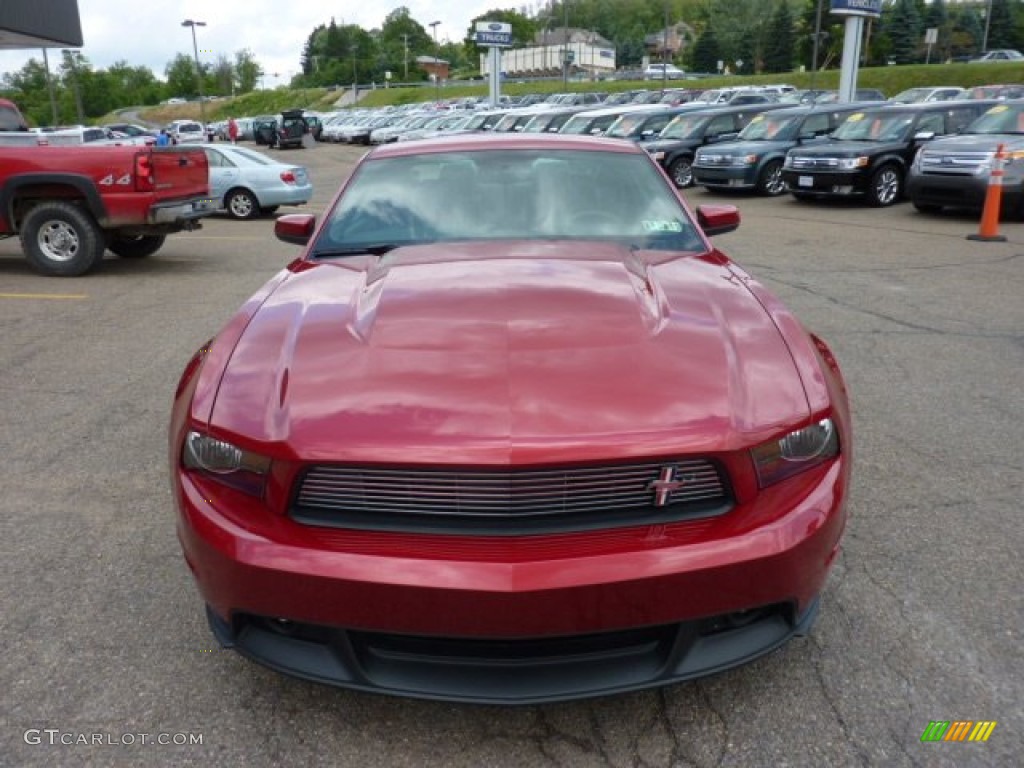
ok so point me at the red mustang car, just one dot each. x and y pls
(511, 430)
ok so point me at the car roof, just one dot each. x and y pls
(489, 141)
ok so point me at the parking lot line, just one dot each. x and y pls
(56, 296)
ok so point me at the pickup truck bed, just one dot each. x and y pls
(70, 203)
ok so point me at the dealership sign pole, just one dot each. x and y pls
(495, 35)
(855, 12)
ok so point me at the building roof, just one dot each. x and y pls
(31, 24)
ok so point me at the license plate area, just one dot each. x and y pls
(805, 181)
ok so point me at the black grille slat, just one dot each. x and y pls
(588, 497)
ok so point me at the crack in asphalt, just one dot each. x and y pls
(972, 264)
(819, 673)
(896, 321)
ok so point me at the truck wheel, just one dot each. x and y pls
(138, 247)
(886, 186)
(770, 182)
(242, 204)
(61, 239)
(681, 172)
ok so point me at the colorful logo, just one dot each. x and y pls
(958, 730)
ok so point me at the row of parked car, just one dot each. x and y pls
(878, 151)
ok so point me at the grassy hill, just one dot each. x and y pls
(890, 80)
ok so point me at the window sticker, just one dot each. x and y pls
(856, 117)
(662, 225)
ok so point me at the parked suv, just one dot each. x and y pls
(291, 128)
(754, 160)
(676, 146)
(186, 131)
(869, 154)
(955, 171)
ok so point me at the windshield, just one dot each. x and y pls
(770, 128)
(520, 194)
(684, 127)
(578, 124)
(627, 125)
(875, 126)
(1003, 118)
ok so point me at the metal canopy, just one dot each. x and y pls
(31, 24)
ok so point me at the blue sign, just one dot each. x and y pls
(494, 39)
(869, 8)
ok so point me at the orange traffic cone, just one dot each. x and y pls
(988, 231)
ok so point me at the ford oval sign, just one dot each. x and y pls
(494, 26)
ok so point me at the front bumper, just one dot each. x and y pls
(961, 191)
(733, 177)
(826, 184)
(515, 621)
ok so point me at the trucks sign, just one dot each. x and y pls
(870, 8)
(494, 34)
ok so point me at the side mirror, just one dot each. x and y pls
(718, 219)
(295, 228)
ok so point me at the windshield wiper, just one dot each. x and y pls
(373, 249)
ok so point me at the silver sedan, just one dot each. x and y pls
(246, 183)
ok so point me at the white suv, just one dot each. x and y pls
(186, 131)
(663, 72)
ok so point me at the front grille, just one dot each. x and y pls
(508, 501)
(960, 164)
(807, 163)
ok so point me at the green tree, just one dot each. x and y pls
(902, 27)
(247, 70)
(181, 76)
(1001, 28)
(222, 77)
(966, 32)
(706, 53)
(778, 54)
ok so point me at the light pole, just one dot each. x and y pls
(988, 20)
(199, 72)
(437, 63)
(69, 59)
(565, 44)
(49, 87)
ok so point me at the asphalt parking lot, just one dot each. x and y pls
(104, 635)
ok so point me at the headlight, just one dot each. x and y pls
(852, 163)
(746, 160)
(788, 162)
(796, 452)
(225, 463)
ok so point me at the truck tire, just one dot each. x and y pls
(61, 239)
(138, 247)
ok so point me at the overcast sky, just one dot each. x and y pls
(148, 33)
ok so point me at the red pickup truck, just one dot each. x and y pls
(70, 203)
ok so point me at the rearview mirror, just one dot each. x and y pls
(295, 228)
(718, 219)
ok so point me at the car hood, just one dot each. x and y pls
(666, 145)
(979, 142)
(537, 352)
(733, 148)
(835, 148)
